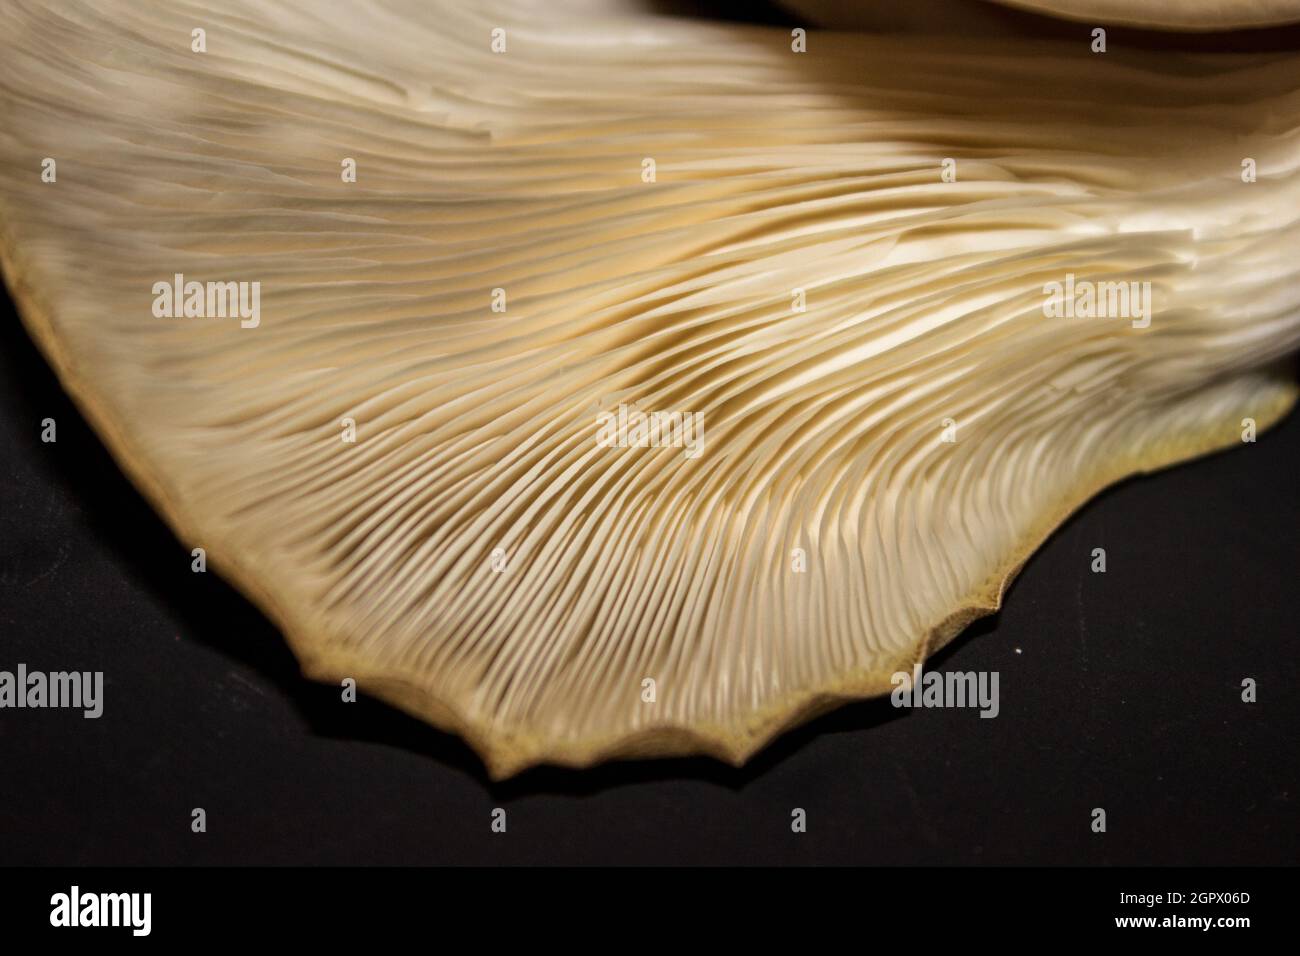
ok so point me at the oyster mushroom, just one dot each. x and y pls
(1200, 15)
(984, 15)
(844, 260)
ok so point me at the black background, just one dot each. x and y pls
(1118, 690)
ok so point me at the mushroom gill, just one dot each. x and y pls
(851, 263)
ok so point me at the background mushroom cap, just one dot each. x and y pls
(525, 171)
(1170, 14)
(965, 15)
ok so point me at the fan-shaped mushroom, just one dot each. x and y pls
(852, 263)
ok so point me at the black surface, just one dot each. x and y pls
(1118, 690)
